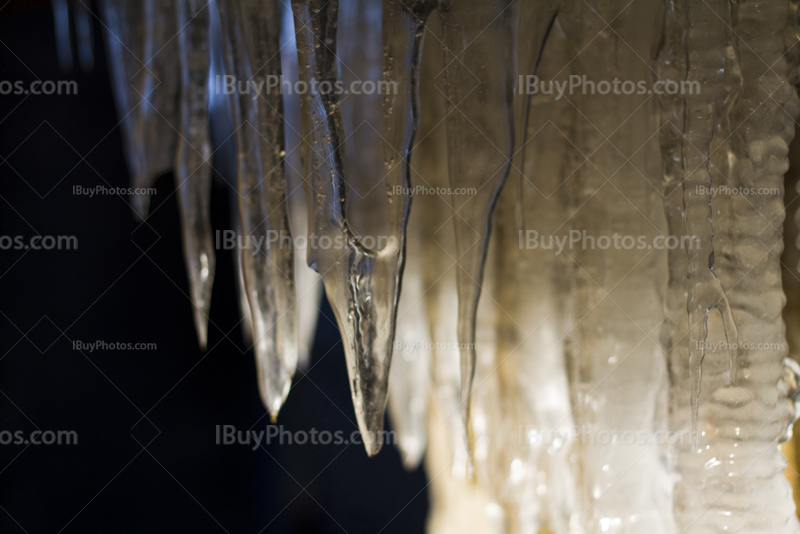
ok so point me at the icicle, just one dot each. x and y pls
(84, 36)
(403, 29)
(124, 40)
(362, 284)
(704, 36)
(409, 378)
(63, 40)
(480, 79)
(250, 37)
(241, 289)
(156, 84)
(534, 296)
(740, 425)
(360, 58)
(192, 168)
(309, 283)
(617, 372)
(429, 169)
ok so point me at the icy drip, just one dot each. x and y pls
(410, 378)
(362, 284)
(538, 18)
(734, 480)
(309, 283)
(618, 374)
(157, 86)
(429, 168)
(192, 168)
(480, 141)
(360, 61)
(703, 43)
(124, 38)
(268, 266)
(142, 51)
(521, 414)
(542, 378)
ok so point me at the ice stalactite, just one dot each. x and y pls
(362, 284)
(403, 28)
(192, 168)
(308, 281)
(139, 37)
(521, 381)
(429, 171)
(703, 42)
(540, 484)
(734, 479)
(156, 84)
(309, 284)
(618, 373)
(124, 43)
(360, 64)
(409, 379)
(480, 77)
(250, 38)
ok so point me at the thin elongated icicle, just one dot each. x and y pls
(63, 41)
(403, 29)
(705, 60)
(142, 51)
(84, 36)
(480, 141)
(156, 84)
(250, 37)
(429, 170)
(409, 378)
(124, 31)
(533, 295)
(309, 283)
(192, 168)
(362, 284)
(241, 288)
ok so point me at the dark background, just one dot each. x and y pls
(146, 459)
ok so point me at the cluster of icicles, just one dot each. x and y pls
(520, 371)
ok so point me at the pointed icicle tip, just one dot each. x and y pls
(201, 328)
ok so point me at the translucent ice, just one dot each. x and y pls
(250, 36)
(192, 166)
